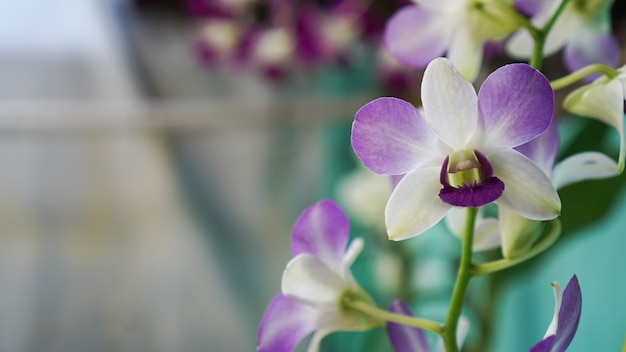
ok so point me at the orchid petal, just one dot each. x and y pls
(544, 345)
(331, 321)
(518, 234)
(486, 235)
(322, 230)
(450, 103)
(433, 30)
(589, 46)
(308, 280)
(466, 52)
(528, 191)
(442, 5)
(603, 101)
(405, 338)
(390, 137)
(543, 149)
(569, 315)
(284, 324)
(414, 205)
(581, 167)
(558, 295)
(354, 249)
(516, 104)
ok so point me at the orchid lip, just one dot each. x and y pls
(468, 181)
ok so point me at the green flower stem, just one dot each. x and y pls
(536, 59)
(545, 243)
(574, 77)
(378, 313)
(462, 280)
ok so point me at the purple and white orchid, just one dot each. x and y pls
(315, 283)
(567, 309)
(583, 29)
(514, 233)
(461, 152)
(418, 33)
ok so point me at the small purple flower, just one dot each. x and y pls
(315, 283)
(564, 323)
(460, 153)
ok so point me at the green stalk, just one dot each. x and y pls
(536, 60)
(576, 76)
(378, 313)
(462, 280)
(545, 243)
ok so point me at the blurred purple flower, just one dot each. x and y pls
(420, 32)
(314, 284)
(564, 323)
(460, 153)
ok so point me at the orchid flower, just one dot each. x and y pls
(514, 233)
(564, 323)
(315, 283)
(583, 28)
(603, 100)
(460, 153)
(405, 338)
(418, 33)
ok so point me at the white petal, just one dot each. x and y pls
(442, 5)
(352, 252)
(527, 190)
(450, 103)
(604, 101)
(487, 235)
(308, 280)
(581, 167)
(558, 294)
(466, 52)
(414, 205)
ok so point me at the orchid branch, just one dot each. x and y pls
(545, 243)
(376, 312)
(576, 76)
(536, 59)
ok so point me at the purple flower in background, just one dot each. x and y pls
(314, 284)
(405, 338)
(418, 33)
(583, 29)
(460, 153)
(565, 321)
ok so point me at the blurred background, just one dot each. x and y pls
(152, 167)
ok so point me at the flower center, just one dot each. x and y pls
(468, 181)
(463, 168)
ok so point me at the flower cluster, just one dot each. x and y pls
(484, 158)
(277, 37)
